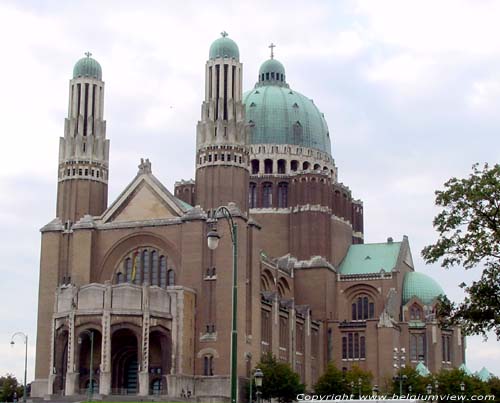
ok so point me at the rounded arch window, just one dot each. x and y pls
(146, 265)
(416, 312)
(362, 308)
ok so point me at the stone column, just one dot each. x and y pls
(105, 367)
(52, 375)
(144, 368)
(72, 376)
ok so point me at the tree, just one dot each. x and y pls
(352, 378)
(280, 381)
(332, 382)
(9, 386)
(469, 235)
(417, 382)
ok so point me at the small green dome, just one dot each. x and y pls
(224, 47)
(271, 69)
(420, 285)
(279, 115)
(87, 67)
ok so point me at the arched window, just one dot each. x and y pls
(281, 166)
(282, 195)
(143, 265)
(171, 277)
(294, 165)
(267, 194)
(415, 312)
(362, 308)
(317, 167)
(252, 195)
(255, 167)
(353, 346)
(154, 268)
(268, 166)
(417, 347)
(208, 365)
(163, 271)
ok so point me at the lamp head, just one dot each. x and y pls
(213, 239)
(12, 342)
(258, 375)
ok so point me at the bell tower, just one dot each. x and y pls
(84, 150)
(222, 157)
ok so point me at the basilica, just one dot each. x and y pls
(132, 299)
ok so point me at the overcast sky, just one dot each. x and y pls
(410, 91)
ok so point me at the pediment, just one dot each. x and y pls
(144, 199)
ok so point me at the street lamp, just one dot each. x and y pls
(462, 386)
(399, 360)
(428, 388)
(258, 376)
(91, 375)
(359, 387)
(213, 241)
(25, 357)
(375, 390)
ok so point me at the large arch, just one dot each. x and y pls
(60, 360)
(83, 355)
(160, 360)
(125, 361)
(123, 246)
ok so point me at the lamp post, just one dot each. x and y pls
(258, 376)
(399, 360)
(462, 387)
(91, 372)
(213, 241)
(359, 387)
(375, 390)
(25, 357)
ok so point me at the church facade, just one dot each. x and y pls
(137, 274)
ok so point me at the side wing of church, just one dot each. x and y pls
(135, 282)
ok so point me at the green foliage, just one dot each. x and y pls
(280, 381)
(469, 235)
(331, 382)
(337, 382)
(9, 385)
(417, 382)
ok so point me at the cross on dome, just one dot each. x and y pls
(88, 54)
(272, 46)
(223, 34)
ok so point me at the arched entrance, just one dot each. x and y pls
(83, 358)
(60, 360)
(124, 362)
(160, 357)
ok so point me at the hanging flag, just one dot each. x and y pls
(134, 265)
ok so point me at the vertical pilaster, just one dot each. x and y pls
(105, 369)
(71, 374)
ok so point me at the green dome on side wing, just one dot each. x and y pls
(420, 285)
(87, 67)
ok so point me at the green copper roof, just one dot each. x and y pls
(421, 286)
(224, 47)
(271, 66)
(87, 67)
(484, 374)
(370, 258)
(185, 206)
(279, 115)
(422, 369)
(464, 368)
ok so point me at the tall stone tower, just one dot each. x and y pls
(83, 151)
(222, 157)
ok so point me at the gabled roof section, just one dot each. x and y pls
(145, 198)
(371, 258)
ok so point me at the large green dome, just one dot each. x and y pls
(87, 67)
(224, 47)
(421, 286)
(280, 115)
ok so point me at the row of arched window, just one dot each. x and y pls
(362, 308)
(353, 346)
(266, 195)
(268, 167)
(148, 266)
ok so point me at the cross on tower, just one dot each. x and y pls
(272, 46)
(223, 34)
(88, 54)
